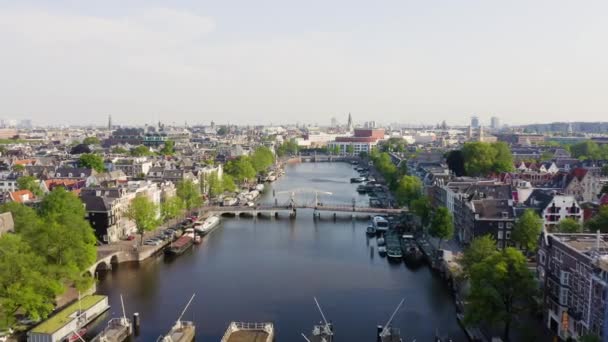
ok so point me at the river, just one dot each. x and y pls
(270, 270)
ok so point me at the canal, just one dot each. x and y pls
(270, 270)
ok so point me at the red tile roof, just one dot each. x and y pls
(22, 196)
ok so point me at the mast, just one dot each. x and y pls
(385, 329)
(179, 320)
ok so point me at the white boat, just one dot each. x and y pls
(229, 201)
(208, 225)
(380, 241)
(259, 187)
(382, 250)
(380, 223)
(198, 239)
(371, 229)
(189, 232)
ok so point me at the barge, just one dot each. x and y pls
(179, 246)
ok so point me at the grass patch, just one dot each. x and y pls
(64, 316)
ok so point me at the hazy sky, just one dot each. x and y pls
(256, 61)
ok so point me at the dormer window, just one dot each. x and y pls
(82, 175)
(70, 175)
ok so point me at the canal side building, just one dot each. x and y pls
(573, 271)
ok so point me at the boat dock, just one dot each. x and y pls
(249, 332)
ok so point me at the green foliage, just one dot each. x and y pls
(501, 289)
(287, 147)
(168, 148)
(482, 158)
(143, 212)
(408, 189)
(91, 141)
(140, 151)
(442, 226)
(479, 249)
(240, 169)
(30, 183)
(350, 149)
(189, 194)
(605, 170)
(18, 168)
(455, 161)
(335, 150)
(92, 161)
(26, 286)
(228, 183)
(588, 150)
(599, 221)
(384, 164)
(261, 159)
(422, 208)
(214, 185)
(569, 225)
(394, 144)
(119, 150)
(171, 208)
(527, 230)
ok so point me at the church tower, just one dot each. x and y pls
(349, 126)
(109, 122)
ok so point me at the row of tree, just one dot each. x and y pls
(52, 247)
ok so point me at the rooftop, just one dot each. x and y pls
(584, 243)
(64, 316)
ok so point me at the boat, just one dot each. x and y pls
(371, 230)
(180, 245)
(259, 187)
(362, 189)
(380, 223)
(229, 201)
(387, 333)
(410, 247)
(189, 232)
(357, 180)
(182, 331)
(393, 246)
(117, 330)
(198, 239)
(249, 332)
(322, 332)
(208, 225)
(76, 336)
(382, 250)
(380, 241)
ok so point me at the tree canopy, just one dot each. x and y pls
(287, 147)
(80, 149)
(482, 158)
(569, 225)
(119, 150)
(91, 141)
(140, 151)
(393, 144)
(501, 288)
(408, 189)
(527, 230)
(144, 213)
(455, 161)
(599, 221)
(168, 148)
(589, 150)
(171, 208)
(92, 161)
(479, 249)
(261, 159)
(29, 183)
(223, 130)
(442, 226)
(422, 208)
(189, 194)
(240, 169)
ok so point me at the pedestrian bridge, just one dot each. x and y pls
(291, 210)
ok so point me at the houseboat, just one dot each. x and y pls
(380, 223)
(180, 245)
(410, 248)
(208, 225)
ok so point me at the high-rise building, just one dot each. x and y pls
(495, 122)
(474, 121)
(109, 122)
(334, 122)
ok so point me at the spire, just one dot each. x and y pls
(349, 126)
(109, 122)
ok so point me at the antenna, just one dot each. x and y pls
(391, 319)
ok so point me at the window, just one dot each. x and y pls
(565, 278)
(500, 235)
(501, 225)
(508, 235)
(541, 256)
(509, 225)
(563, 296)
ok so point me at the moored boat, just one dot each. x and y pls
(182, 331)
(179, 246)
(410, 247)
(357, 180)
(371, 230)
(387, 333)
(393, 247)
(380, 223)
(208, 225)
(322, 332)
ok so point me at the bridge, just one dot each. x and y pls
(292, 206)
(319, 158)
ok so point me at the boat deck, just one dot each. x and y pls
(248, 336)
(185, 334)
(114, 332)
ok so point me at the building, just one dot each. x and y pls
(7, 225)
(363, 140)
(522, 139)
(573, 272)
(349, 125)
(494, 122)
(553, 207)
(474, 122)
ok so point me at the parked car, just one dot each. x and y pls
(131, 237)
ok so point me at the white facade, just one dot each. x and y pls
(358, 147)
(561, 207)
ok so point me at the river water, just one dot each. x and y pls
(270, 270)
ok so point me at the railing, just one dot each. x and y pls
(250, 326)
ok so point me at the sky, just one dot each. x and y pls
(284, 61)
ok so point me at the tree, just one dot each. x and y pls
(91, 141)
(599, 221)
(29, 183)
(480, 248)
(455, 161)
(223, 130)
(261, 159)
(441, 225)
(350, 149)
(80, 149)
(91, 161)
(228, 183)
(171, 208)
(140, 151)
(384, 164)
(569, 225)
(241, 169)
(25, 285)
(18, 168)
(168, 148)
(189, 194)
(408, 189)
(501, 288)
(527, 230)
(144, 212)
(605, 170)
(586, 150)
(422, 208)
(119, 150)
(214, 185)
(287, 147)
(25, 218)
(503, 159)
(482, 158)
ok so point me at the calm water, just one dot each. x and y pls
(269, 270)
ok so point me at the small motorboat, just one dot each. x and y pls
(198, 239)
(381, 241)
(371, 230)
(382, 250)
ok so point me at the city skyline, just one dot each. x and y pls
(403, 62)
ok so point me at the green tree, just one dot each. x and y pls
(408, 189)
(214, 185)
(189, 194)
(92, 161)
(455, 161)
(586, 150)
(228, 183)
(385, 166)
(25, 218)
(119, 150)
(422, 208)
(350, 149)
(30, 183)
(25, 285)
(168, 148)
(240, 169)
(482, 158)
(18, 168)
(503, 159)
(569, 225)
(140, 151)
(441, 225)
(287, 147)
(501, 288)
(261, 159)
(144, 213)
(91, 141)
(527, 230)
(480, 248)
(605, 170)
(223, 130)
(599, 221)
(171, 208)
